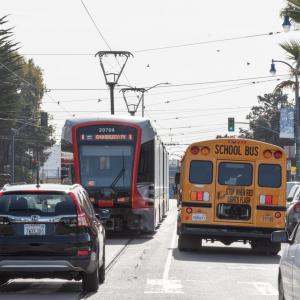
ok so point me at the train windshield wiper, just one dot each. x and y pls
(117, 178)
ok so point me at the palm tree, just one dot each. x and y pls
(292, 10)
(292, 49)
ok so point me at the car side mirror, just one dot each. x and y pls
(289, 199)
(177, 178)
(280, 236)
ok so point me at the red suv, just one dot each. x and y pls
(50, 231)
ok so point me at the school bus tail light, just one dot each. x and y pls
(200, 196)
(267, 154)
(266, 199)
(205, 150)
(277, 154)
(195, 150)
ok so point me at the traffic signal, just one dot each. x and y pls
(231, 124)
(44, 119)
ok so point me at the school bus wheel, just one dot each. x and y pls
(186, 243)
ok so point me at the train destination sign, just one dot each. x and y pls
(97, 137)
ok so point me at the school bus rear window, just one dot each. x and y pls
(201, 172)
(239, 174)
(269, 175)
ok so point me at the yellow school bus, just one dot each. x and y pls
(232, 190)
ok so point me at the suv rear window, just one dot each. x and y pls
(201, 171)
(269, 175)
(235, 174)
(42, 204)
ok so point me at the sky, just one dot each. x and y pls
(215, 55)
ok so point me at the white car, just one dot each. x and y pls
(292, 191)
(289, 186)
(289, 266)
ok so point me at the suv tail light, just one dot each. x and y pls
(82, 219)
(296, 207)
(83, 252)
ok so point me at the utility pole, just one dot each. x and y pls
(12, 156)
(112, 77)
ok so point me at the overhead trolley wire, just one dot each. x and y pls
(182, 84)
(210, 41)
(242, 37)
(97, 28)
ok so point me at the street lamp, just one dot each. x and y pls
(141, 98)
(297, 107)
(286, 25)
(112, 78)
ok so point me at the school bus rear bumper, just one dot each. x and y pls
(243, 233)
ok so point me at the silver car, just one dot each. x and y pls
(293, 211)
(289, 266)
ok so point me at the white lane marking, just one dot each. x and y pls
(169, 258)
(264, 288)
(164, 285)
(161, 286)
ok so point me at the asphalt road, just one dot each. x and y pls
(151, 267)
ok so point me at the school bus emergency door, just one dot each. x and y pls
(234, 201)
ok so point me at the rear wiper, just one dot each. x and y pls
(117, 178)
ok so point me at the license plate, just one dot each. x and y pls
(198, 217)
(34, 229)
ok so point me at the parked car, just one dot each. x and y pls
(291, 195)
(51, 231)
(293, 211)
(289, 266)
(289, 186)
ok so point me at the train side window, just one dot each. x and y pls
(269, 175)
(146, 163)
(201, 172)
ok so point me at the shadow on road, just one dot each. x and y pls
(121, 238)
(46, 290)
(226, 255)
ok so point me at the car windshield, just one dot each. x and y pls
(41, 204)
(106, 165)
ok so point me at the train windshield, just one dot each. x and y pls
(106, 165)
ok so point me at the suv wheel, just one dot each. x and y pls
(3, 280)
(102, 268)
(90, 282)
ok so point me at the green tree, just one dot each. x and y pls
(10, 62)
(21, 92)
(31, 138)
(292, 10)
(264, 119)
(292, 49)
